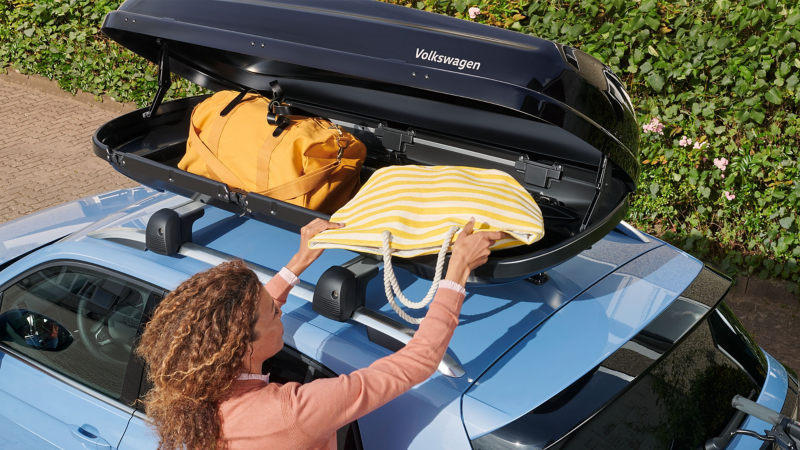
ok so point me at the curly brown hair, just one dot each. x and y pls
(194, 347)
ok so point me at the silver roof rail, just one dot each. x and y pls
(135, 238)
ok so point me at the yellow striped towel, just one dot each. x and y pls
(418, 205)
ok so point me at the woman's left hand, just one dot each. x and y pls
(305, 256)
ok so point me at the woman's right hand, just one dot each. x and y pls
(470, 251)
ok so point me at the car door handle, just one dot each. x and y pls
(89, 436)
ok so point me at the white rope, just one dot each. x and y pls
(392, 287)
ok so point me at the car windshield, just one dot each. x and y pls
(652, 393)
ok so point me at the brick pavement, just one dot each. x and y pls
(46, 151)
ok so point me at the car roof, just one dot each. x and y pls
(493, 319)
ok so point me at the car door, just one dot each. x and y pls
(66, 334)
(288, 365)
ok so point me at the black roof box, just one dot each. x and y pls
(416, 87)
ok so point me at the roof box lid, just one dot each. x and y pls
(400, 64)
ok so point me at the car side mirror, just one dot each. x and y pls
(33, 330)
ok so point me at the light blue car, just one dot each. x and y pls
(626, 345)
(595, 337)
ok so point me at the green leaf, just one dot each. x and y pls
(773, 96)
(705, 191)
(758, 116)
(786, 222)
(460, 5)
(793, 19)
(746, 73)
(656, 81)
(29, 32)
(676, 176)
(753, 3)
(652, 51)
(653, 23)
(722, 43)
(647, 6)
(654, 188)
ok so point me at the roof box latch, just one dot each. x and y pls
(538, 174)
(394, 140)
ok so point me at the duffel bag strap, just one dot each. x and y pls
(301, 185)
(215, 132)
(214, 166)
(306, 183)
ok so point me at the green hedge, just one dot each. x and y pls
(61, 40)
(715, 84)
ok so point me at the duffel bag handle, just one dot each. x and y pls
(390, 280)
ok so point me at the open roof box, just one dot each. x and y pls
(415, 87)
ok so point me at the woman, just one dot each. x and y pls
(207, 340)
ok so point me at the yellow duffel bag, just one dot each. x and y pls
(305, 161)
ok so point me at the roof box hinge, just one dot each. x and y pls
(164, 78)
(538, 174)
(394, 140)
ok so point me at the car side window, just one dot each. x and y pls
(76, 321)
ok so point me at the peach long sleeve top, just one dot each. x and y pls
(295, 416)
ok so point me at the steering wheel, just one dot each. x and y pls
(94, 337)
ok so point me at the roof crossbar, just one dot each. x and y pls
(374, 321)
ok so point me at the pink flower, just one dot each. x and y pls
(721, 163)
(655, 126)
(699, 145)
(723, 175)
(729, 195)
(705, 159)
(685, 142)
(473, 12)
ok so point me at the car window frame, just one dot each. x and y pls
(134, 371)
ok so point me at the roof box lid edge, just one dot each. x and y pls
(352, 48)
